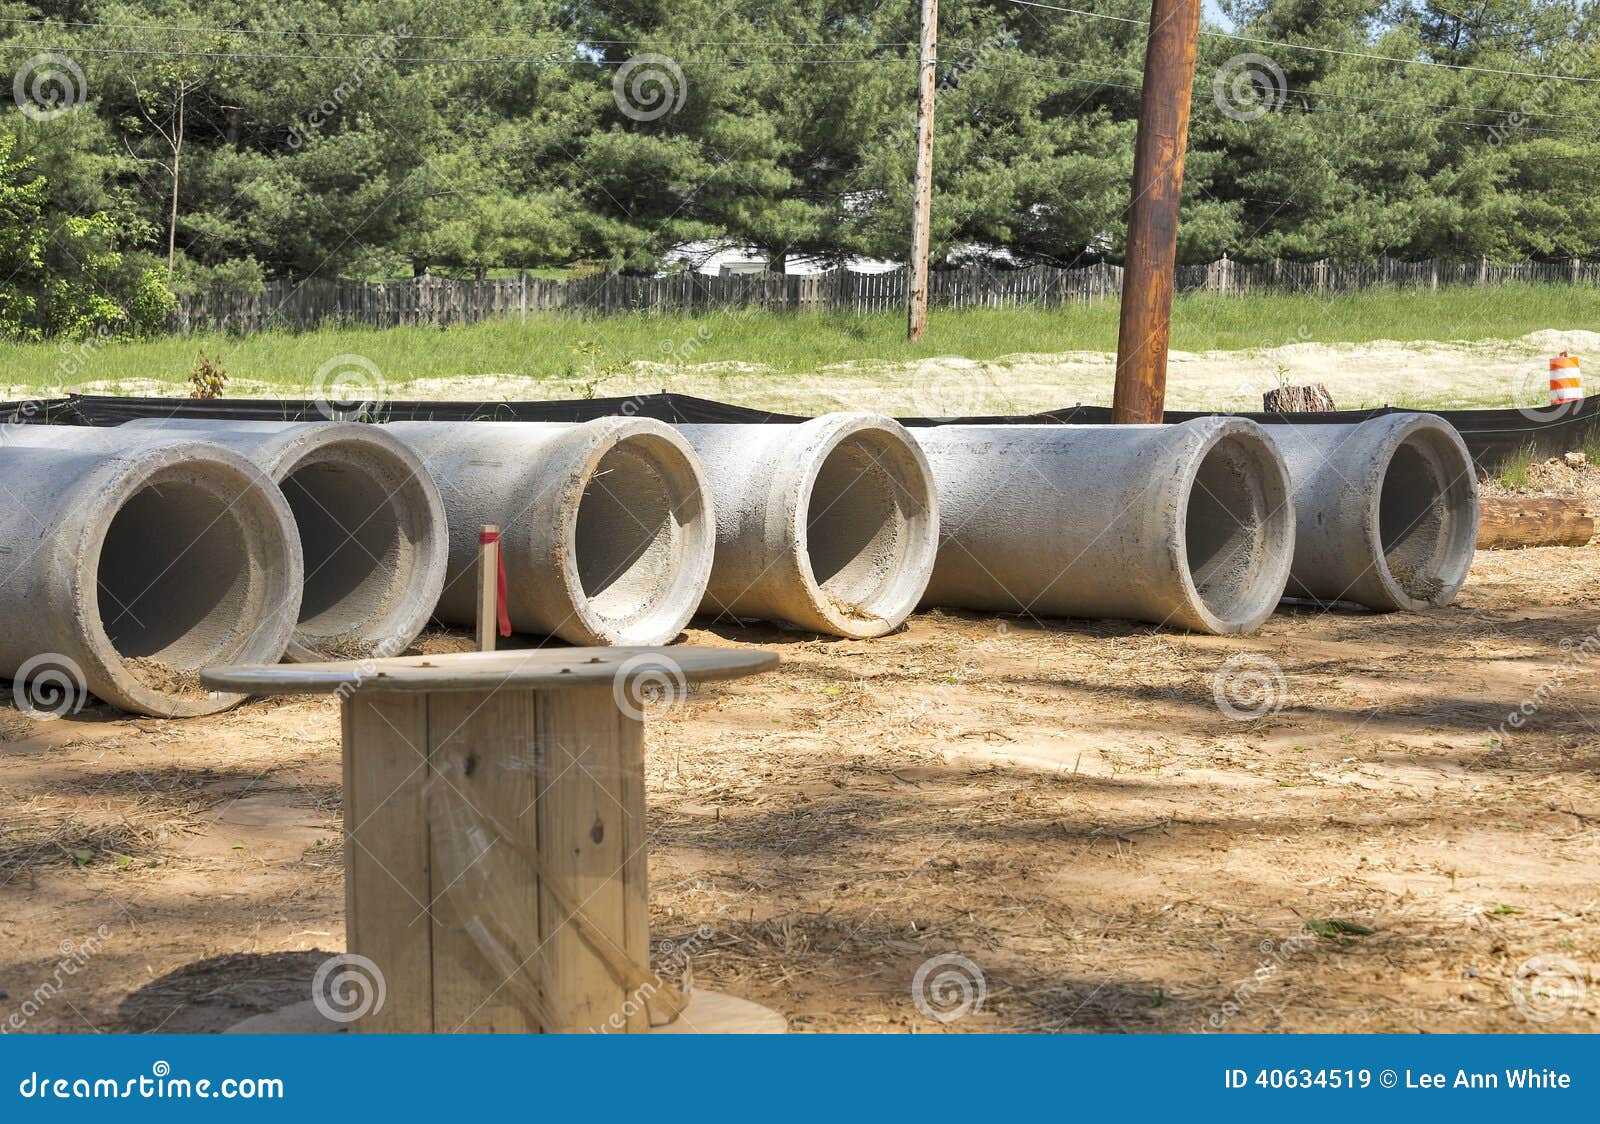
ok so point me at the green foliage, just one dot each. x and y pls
(371, 139)
(67, 275)
(241, 277)
(1514, 469)
(1335, 928)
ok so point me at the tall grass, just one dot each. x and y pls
(567, 347)
(1513, 473)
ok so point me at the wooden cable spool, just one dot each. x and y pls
(494, 810)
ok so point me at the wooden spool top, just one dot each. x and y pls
(538, 669)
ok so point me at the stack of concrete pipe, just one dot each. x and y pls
(142, 553)
(605, 531)
(617, 531)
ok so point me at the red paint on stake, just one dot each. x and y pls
(484, 538)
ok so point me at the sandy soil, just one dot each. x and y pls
(1435, 374)
(1064, 804)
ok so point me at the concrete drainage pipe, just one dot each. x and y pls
(1387, 511)
(372, 528)
(831, 525)
(605, 531)
(1186, 525)
(124, 571)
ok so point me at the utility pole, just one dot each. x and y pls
(1152, 251)
(917, 310)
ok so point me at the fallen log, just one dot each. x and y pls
(1509, 522)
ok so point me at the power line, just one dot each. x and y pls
(1079, 12)
(1201, 82)
(1322, 50)
(744, 61)
(1432, 105)
(1286, 91)
(397, 34)
(577, 43)
(492, 60)
(1438, 121)
(1056, 76)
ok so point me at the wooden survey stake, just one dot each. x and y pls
(488, 585)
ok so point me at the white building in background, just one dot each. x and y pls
(719, 259)
(722, 259)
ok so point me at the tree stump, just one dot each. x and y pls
(1311, 399)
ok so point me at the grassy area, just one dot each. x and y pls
(577, 356)
(1515, 472)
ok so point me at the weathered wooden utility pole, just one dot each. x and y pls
(917, 305)
(1152, 251)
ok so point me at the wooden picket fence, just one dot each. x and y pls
(438, 301)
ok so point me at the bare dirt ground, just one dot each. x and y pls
(1063, 803)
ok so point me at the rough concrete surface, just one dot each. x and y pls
(125, 567)
(1186, 525)
(372, 528)
(830, 525)
(606, 534)
(1387, 511)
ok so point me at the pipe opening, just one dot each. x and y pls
(1421, 526)
(173, 578)
(352, 540)
(1227, 528)
(858, 523)
(630, 539)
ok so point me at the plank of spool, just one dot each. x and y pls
(483, 757)
(1514, 521)
(582, 819)
(386, 858)
(481, 671)
(563, 772)
(635, 860)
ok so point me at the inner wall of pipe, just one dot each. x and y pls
(856, 529)
(629, 541)
(1226, 528)
(351, 536)
(173, 576)
(1414, 522)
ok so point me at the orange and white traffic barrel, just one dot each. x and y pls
(1566, 380)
